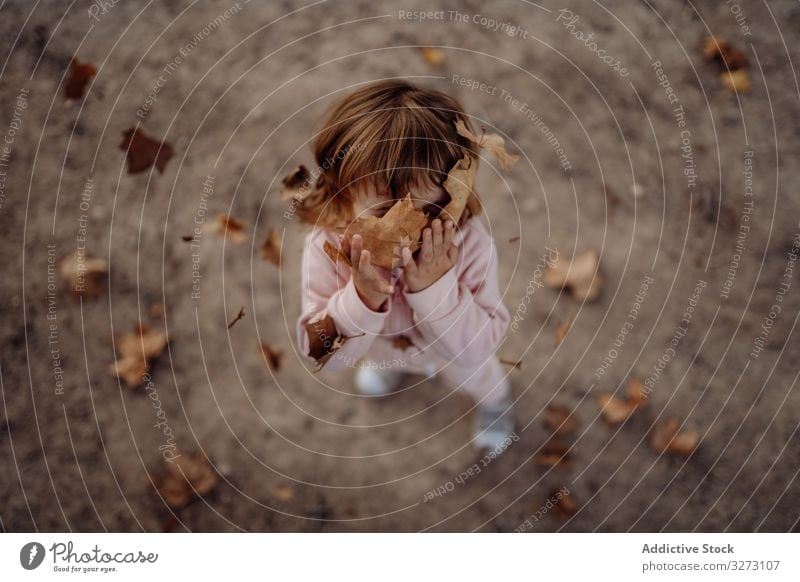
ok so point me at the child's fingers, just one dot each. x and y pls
(408, 260)
(449, 230)
(452, 254)
(426, 254)
(370, 274)
(437, 236)
(355, 250)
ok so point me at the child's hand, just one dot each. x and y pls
(373, 287)
(437, 256)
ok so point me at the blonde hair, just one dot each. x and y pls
(393, 133)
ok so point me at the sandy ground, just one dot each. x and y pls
(300, 452)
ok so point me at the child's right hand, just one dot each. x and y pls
(373, 287)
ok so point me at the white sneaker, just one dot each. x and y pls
(375, 382)
(494, 426)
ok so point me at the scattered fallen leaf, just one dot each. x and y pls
(187, 238)
(433, 55)
(489, 141)
(615, 410)
(84, 275)
(581, 277)
(295, 183)
(561, 331)
(79, 76)
(402, 342)
(323, 339)
(668, 438)
(727, 57)
(283, 492)
(736, 81)
(516, 364)
(637, 393)
(169, 524)
(553, 454)
(273, 355)
(239, 316)
(559, 419)
(271, 249)
(185, 477)
(565, 505)
(143, 151)
(401, 226)
(137, 350)
(156, 311)
(227, 226)
(459, 185)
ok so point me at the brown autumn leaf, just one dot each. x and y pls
(553, 454)
(185, 477)
(271, 249)
(335, 254)
(515, 364)
(229, 227)
(637, 393)
(561, 331)
(615, 410)
(668, 438)
(401, 226)
(84, 275)
(137, 350)
(727, 57)
(459, 186)
(239, 316)
(323, 339)
(433, 55)
(79, 76)
(283, 492)
(559, 419)
(144, 151)
(489, 141)
(581, 277)
(402, 342)
(736, 81)
(295, 183)
(157, 311)
(273, 355)
(565, 505)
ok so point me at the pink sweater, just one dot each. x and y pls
(460, 318)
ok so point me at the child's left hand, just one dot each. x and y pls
(437, 256)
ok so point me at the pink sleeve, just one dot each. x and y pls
(462, 314)
(329, 289)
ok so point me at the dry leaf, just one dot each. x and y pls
(335, 253)
(565, 505)
(271, 249)
(668, 438)
(143, 151)
(84, 275)
(273, 355)
(516, 364)
(79, 76)
(459, 185)
(561, 331)
(283, 492)
(239, 316)
(581, 278)
(637, 393)
(184, 477)
(295, 183)
(401, 226)
(323, 339)
(553, 454)
(726, 56)
(229, 226)
(615, 410)
(157, 311)
(559, 419)
(489, 141)
(736, 81)
(402, 342)
(137, 350)
(433, 55)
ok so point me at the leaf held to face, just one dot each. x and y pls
(79, 76)
(185, 477)
(84, 275)
(335, 254)
(144, 151)
(581, 277)
(136, 351)
(459, 186)
(559, 419)
(489, 141)
(668, 438)
(271, 249)
(272, 355)
(401, 226)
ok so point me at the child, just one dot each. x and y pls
(438, 311)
